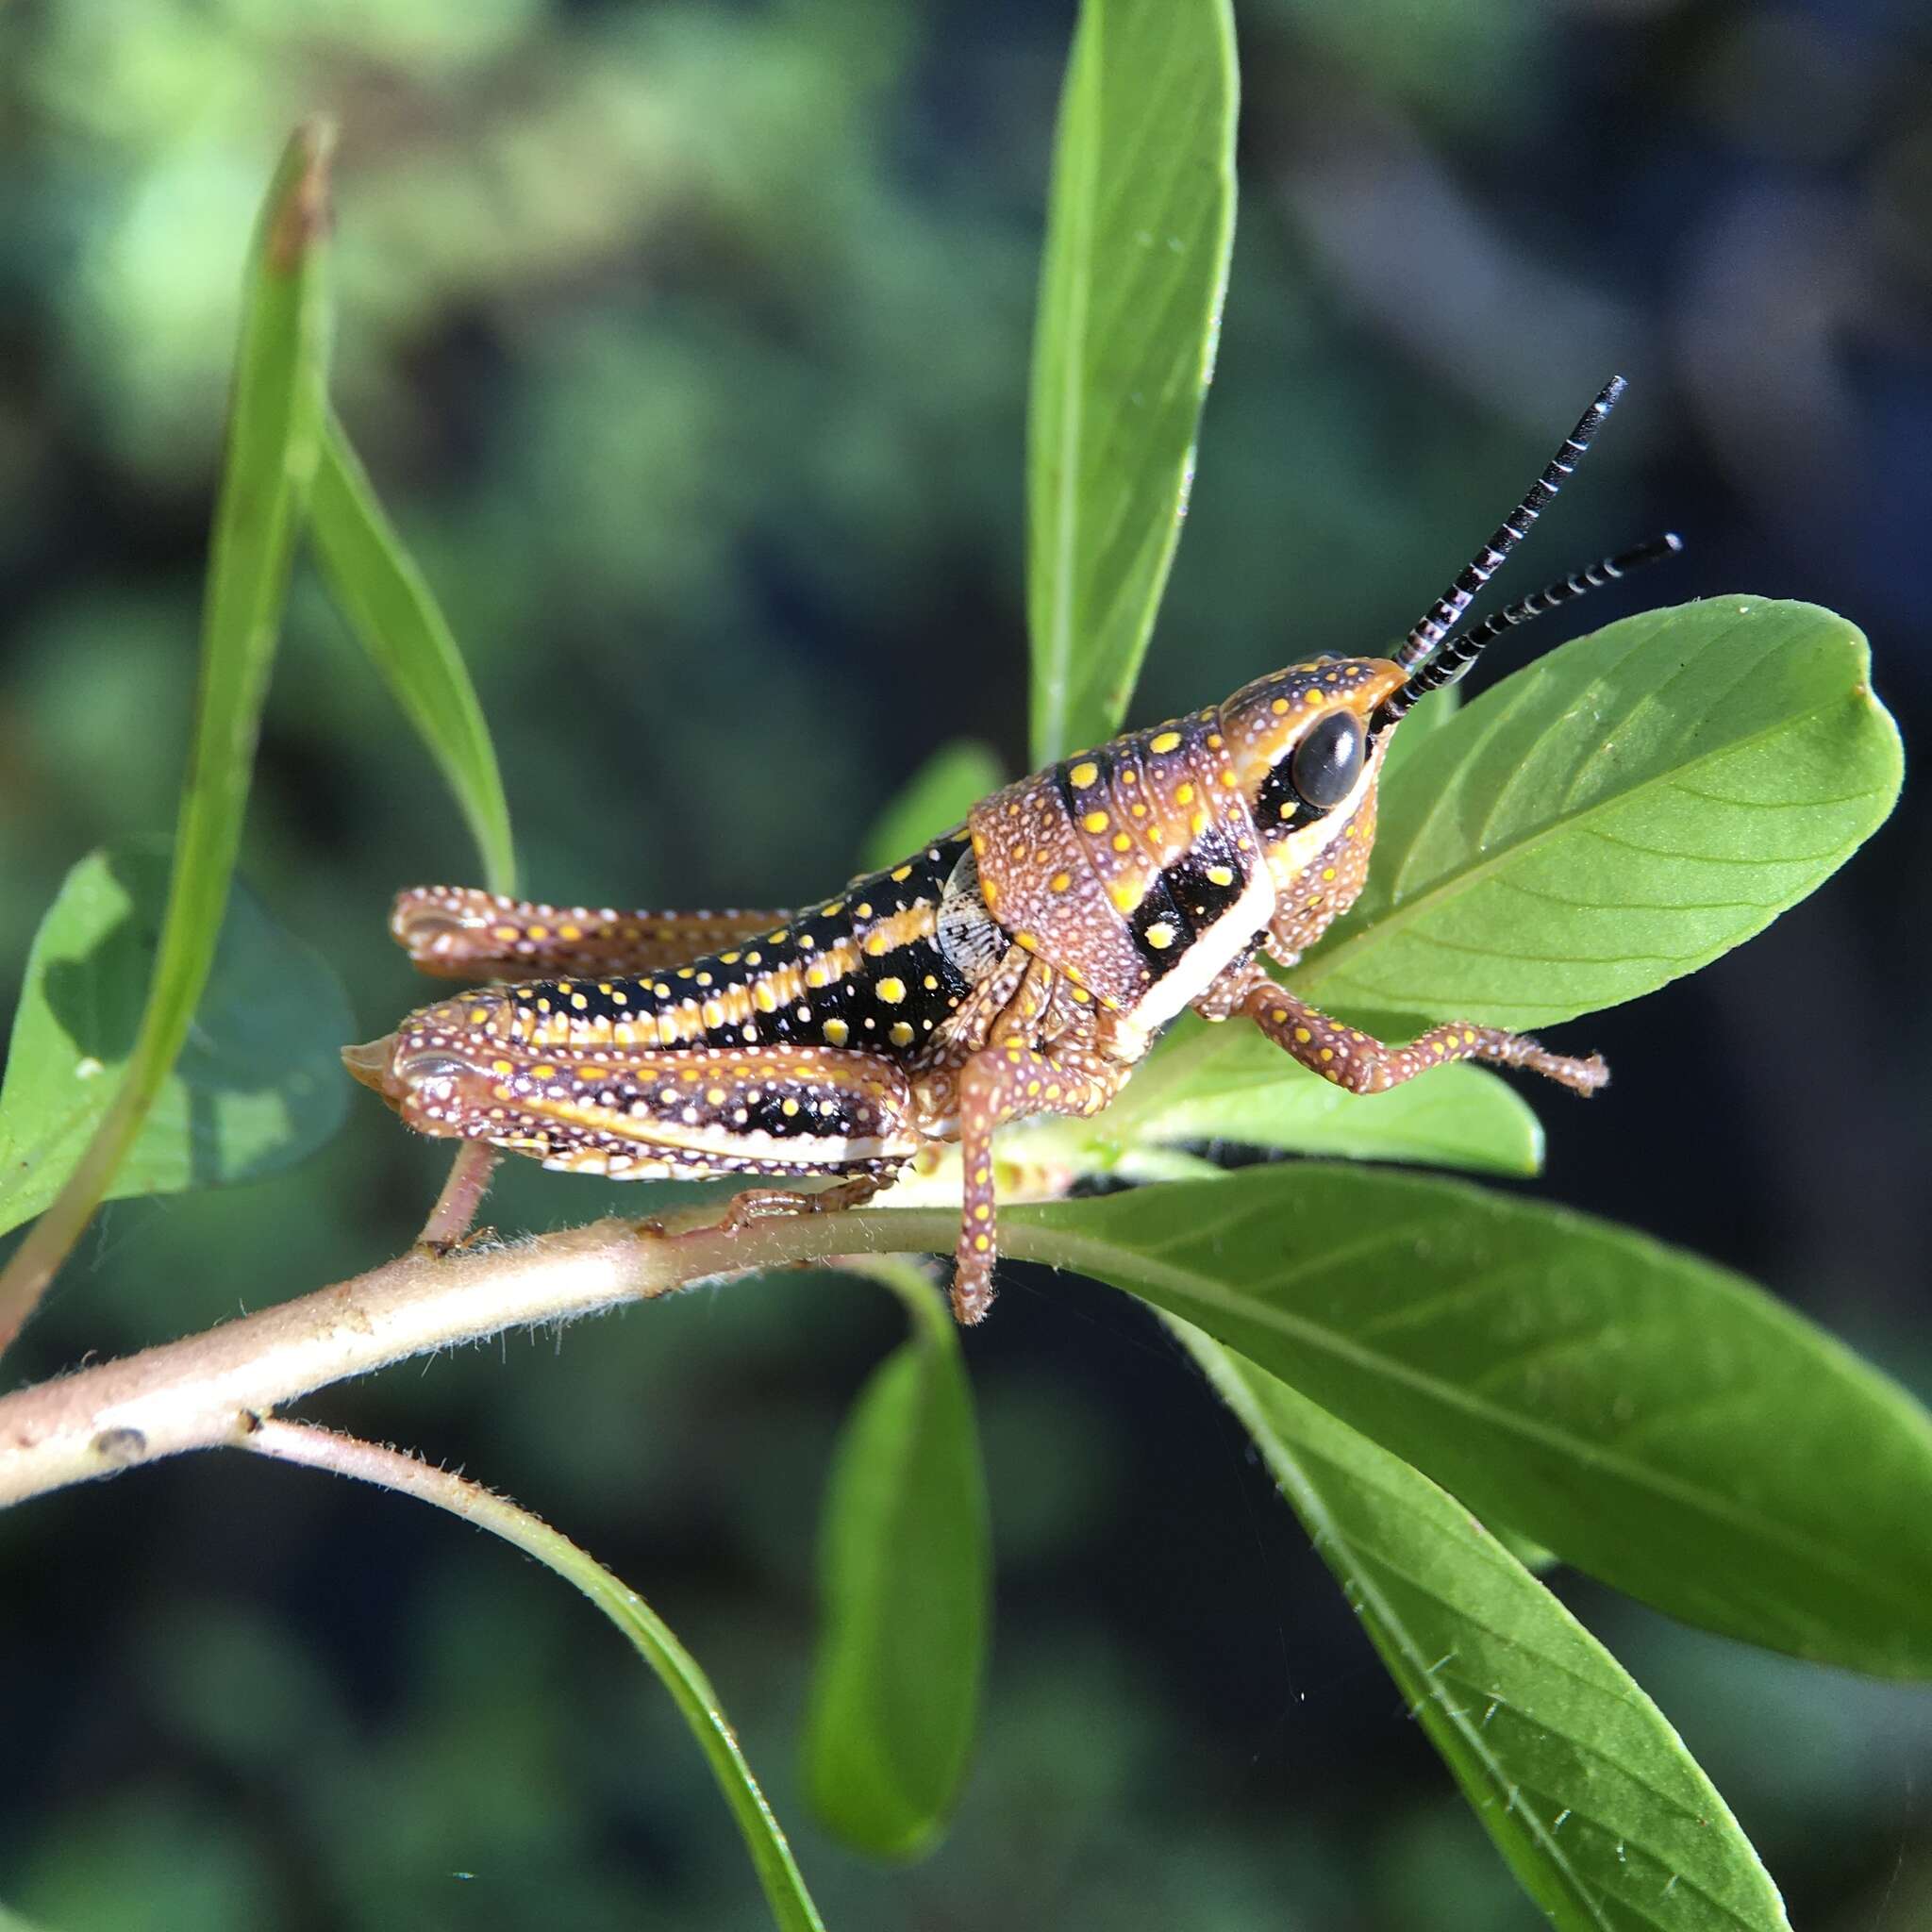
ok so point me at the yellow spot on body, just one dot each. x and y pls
(877, 945)
(1166, 741)
(901, 874)
(1081, 995)
(685, 971)
(862, 910)
(1220, 874)
(1085, 773)
(837, 1032)
(503, 932)
(980, 1243)
(1468, 1039)
(1095, 822)
(1328, 1053)
(662, 990)
(716, 1095)
(1124, 895)
(479, 1016)
(1279, 707)
(578, 1000)
(1026, 940)
(1327, 872)
(930, 984)
(1288, 809)
(1229, 777)
(1184, 794)
(900, 1034)
(713, 1013)
(1160, 934)
(540, 932)
(1302, 1034)
(815, 976)
(990, 892)
(502, 1067)
(891, 991)
(1122, 842)
(787, 1108)
(729, 959)
(979, 844)
(1059, 881)
(542, 1071)
(1198, 824)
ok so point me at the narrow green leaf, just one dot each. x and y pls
(392, 608)
(1139, 226)
(1615, 815)
(275, 429)
(257, 1088)
(1652, 1419)
(653, 1639)
(935, 799)
(1586, 1790)
(905, 1576)
(1231, 1083)
(691, 1690)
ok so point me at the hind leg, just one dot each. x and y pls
(456, 932)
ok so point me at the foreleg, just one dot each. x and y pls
(1363, 1064)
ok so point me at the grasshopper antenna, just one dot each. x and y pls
(1459, 652)
(1443, 614)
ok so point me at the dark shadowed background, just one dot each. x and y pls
(688, 341)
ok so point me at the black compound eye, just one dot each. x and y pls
(1327, 761)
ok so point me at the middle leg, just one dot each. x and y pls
(999, 1084)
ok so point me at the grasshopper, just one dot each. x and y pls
(1022, 963)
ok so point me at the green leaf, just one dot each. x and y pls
(1589, 1794)
(1231, 1083)
(691, 1690)
(1139, 226)
(1617, 814)
(1652, 1419)
(935, 799)
(1431, 714)
(904, 1578)
(258, 1088)
(676, 1669)
(275, 431)
(392, 608)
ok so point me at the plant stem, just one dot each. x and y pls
(214, 1389)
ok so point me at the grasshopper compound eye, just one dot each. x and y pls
(1327, 761)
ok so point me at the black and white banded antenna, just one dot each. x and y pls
(1460, 651)
(1443, 613)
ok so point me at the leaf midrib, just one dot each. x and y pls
(1058, 1244)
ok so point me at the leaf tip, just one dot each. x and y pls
(302, 215)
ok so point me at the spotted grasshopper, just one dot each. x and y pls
(1023, 963)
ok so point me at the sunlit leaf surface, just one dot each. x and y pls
(1588, 1791)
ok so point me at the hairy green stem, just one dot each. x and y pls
(213, 1388)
